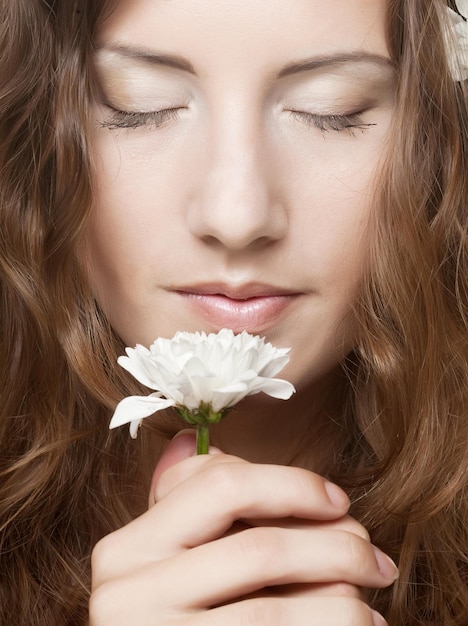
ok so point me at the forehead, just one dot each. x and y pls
(256, 33)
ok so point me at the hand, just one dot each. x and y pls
(297, 559)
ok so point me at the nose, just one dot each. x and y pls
(236, 205)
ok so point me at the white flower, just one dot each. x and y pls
(457, 41)
(196, 372)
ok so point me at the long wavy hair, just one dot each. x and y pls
(65, 481)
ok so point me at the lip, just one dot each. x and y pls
(253, 307)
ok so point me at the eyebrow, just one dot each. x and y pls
(181, 63)
(339, 58)
(153, 58)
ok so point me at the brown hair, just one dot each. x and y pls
(410, 370)
(65, 481)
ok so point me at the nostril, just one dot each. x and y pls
(236, 209)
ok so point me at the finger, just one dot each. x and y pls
(266, 557)
(297, 612)
(205, 505)
(346, 523)
(178, 473)
(301, 590)
(182, 446)
(334, 590)
(227, 489)
(109, 605)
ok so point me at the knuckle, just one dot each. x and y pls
(344, 590)
(262, 611)
(353, 526)
(356, 555)
(103, 557)
(102, 551)
(352, 612)
(190, 467)
(223, 478)
(262, 547)
(102, 604)
(166, 482)
(176, 474)
(306, 483)
(300, 480)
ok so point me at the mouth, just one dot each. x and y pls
(253, 307)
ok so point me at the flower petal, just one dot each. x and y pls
(196, 369)
(134, 426)
(274, 387)
(462, 6)
(225, 400)
(456, 38)
(137, 408)
(137, 364)
(272, 368)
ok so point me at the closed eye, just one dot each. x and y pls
(338, 123)
(136, 119)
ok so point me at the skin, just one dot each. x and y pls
(262, 173)
(227, 542)
(234, 186)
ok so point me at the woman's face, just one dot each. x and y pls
(236, 145)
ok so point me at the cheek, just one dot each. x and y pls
(135, 231)
(331, 236)
(329, 223)
(138, 235)
(134, 204)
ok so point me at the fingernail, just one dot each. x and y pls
(213, 450)
(378, 619)
(336, 496)
(386, 566)
(185, 432)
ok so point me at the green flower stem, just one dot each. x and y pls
(202, 417)
(203, 438)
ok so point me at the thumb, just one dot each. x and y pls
(182, 446)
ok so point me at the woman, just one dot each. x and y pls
(294, 169)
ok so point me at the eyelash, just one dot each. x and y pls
(324, 123)
(135, 119)
(337, 123)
